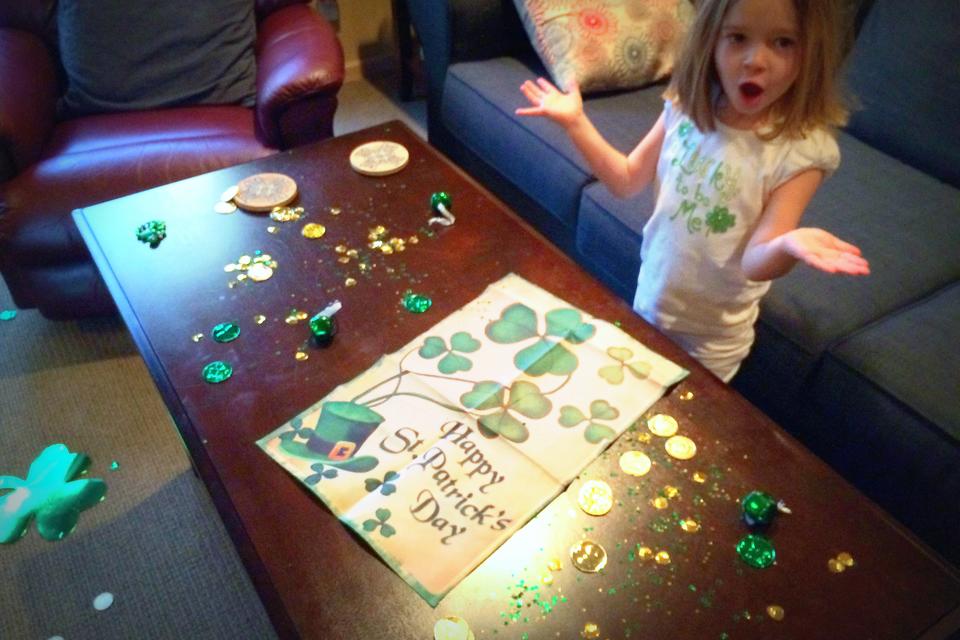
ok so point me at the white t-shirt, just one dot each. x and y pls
(712, 189)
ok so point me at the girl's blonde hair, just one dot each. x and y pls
(813, 101)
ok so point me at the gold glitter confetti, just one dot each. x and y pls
(340, 248)
(230, 268)
(681, 447)
(452, 628)
(352, 253)
(845, 559)
(350, 282)
(343, 259)
(835, 566)
(259, 272)
(241, 277)
(386, 249)
(660, 502)
(699, 477)
(547, 579)
(413, 239)
(595, 497)
(775, 611)
(197, 337)
(686, 395)
(590, 630)
(644, 437)
(272, 229)
(635, 463)
(224, 208)
(555, 564)
(588, 556)
(334, 211)
(690, 526)
(644, 553)
(313, 230)
(670, 492)
(244, 260)
(662, 425)
(259, 319)
(662, 557)
(301, 356)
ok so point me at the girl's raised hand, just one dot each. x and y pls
(822, 250)
(562, 108)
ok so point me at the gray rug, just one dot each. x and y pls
(156, 542)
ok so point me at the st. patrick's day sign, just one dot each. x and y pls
(459, 438)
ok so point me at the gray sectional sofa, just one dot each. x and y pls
(866, 372)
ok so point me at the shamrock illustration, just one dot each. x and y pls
(519, 322)
(614, 373)
(451, 362)
(523, 398)
(570, 416)
(320, 474)
(720, 219)
(50, 493)
(381, 522)
(386, 486)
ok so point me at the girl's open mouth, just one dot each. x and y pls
(750, 91)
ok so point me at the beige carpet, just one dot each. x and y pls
(156, 542)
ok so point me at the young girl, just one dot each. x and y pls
(740, 148)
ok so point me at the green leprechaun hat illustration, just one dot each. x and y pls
(341, 430)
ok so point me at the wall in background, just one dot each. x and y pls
(366, 32)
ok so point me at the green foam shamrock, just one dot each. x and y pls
(50, 493)
(519, 322)
(614, 373)
(595, 432)
(451, 362)
(524, 398)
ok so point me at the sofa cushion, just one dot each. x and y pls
(606, 45)
(535, 155)
(123, 55)
(908, 82)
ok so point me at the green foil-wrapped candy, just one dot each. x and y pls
(440, 198)
(756, 550)
(322, 329)
(758, 508)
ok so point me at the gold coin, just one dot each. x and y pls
(350, 282)
(588, 556)
(686, 395)
(690, 526)
(229, 194)
(635, 463)
(660, 502)
(775, 611)
(662, 557)
(670, 492)
(681, 447)
(662, 425)
(835, 566)
(590, 630)
(313, 230)
(452, 628)
(224, 207)
(845, 559)
(595, 497)
(699, 477)
(301, 356)
(259, 272)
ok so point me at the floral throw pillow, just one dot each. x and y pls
(606, 44)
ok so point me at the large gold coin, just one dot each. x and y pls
(379, 158)
(681, 447)
(635, 463)
(662, 425)
(264, 191)
(595, 497)
(588, 556)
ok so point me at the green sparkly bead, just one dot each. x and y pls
(322, 328)
(756, 550)
(416, 303)
(226, 332)
(758, 508)
(440, 197)
(217, 371)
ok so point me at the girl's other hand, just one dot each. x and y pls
(563, 108)
(822, 250)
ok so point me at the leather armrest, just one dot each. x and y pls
(28, 99)
(299, 71)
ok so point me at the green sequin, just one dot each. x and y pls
(226, 332)
(217, 371)
(756, 550)
(8, 314)
(416, 303)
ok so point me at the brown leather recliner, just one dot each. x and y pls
(49, 167)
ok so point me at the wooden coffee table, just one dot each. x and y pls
(318, 580)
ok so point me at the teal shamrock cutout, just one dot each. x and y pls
(386, 530)
(451, 362)
(614, 373)
(595, 432)
(320, 474)
(523, 398)
(386, 486)
(720, 219)
(49, 493)
(519, 322)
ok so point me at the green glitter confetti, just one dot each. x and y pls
(217, 371)
(416, 303)
(152, 232)
(8, 314)
(114, 465)
(50, 493)
(756, 550)
(226, 332)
